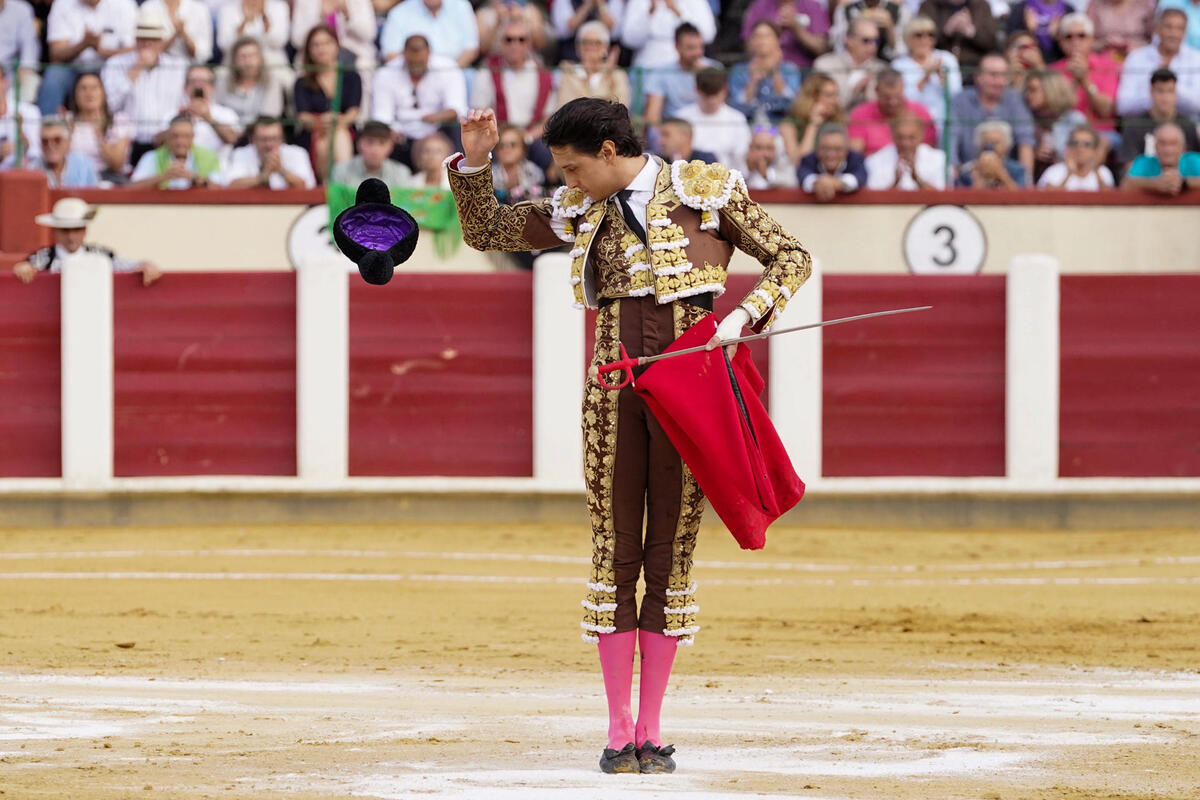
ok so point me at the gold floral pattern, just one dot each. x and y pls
(487, 225)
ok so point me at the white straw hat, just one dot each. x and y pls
(151, 24)
(70, 212)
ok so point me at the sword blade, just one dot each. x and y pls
(768, 334)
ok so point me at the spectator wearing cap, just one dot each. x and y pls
(596, 74)
(721, 127)
(178, 163)
(146, 83)
(1094, 75)
(248, 86)
(1191, 10)
(81, 35)
(992, 167)
(1170, 51)
(889, 16)
(63, 169)
(990, 99)
(69, 220)
(374, 147)
(855, 66)
(1042, 18)
(12, 110)
(818, 102)
(418, 94)
(1137, 132)
(1083, 168)
(268, 21)
(767, 164)
(833, 168)
(762, 87)
(907, 162)
(1170, 170)
(189, 26)
(1051, 101)
(1121, 26)
(931, 76)
(870, 123)
(268, 161)
(327, 100)
(516, 85)
(19, 40)
(569, 17)
(669, 89)
(675, 142)
(803, 27)
(217, 127)
(648, 28)
(448, 25)
(966, 29)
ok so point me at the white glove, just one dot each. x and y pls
(730, 328)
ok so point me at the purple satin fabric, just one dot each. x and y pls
(375, 227)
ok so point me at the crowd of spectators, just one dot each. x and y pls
(831, 97)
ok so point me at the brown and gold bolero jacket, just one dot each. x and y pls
(698, 214)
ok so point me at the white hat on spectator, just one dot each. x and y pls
(151, 24)
(70, 212)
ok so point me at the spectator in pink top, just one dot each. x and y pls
(803, 27)
(870, 123)
(1093, 75)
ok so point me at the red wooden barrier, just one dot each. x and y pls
(30, 347)
(1130, 375)
(441, 375)
(205, 377)
(919, 394)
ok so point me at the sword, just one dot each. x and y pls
(627, 363)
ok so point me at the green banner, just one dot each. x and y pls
(433, 208)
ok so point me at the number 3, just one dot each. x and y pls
(948, 245)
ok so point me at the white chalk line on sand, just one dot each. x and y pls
(546, 558)
(394, 577)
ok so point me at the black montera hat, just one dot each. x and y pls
(375, 234)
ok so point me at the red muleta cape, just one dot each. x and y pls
(723, 433)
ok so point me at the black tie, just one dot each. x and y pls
(631, 220)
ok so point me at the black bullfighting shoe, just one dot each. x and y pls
(624, 760)
(653, 759)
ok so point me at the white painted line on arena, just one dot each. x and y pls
(391, 577)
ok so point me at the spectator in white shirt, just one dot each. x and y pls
(1168, 50)
(448, 25)
(11, 109)
(721, 127)
(189, 28)
(767, 165)
(418, 93)
(648, 28)
(267, 161)
(80, 35)
(146, 83)
(96, 132)
(216, 126)
(1083, 169)
(265, 20)
(19, 41)
(907, 163)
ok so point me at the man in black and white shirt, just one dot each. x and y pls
(69, 220)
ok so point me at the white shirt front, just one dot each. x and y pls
(401, 104)
(206, 134)
(520, 93)
(197, 24)
(244, 163)
(272, 39)
(1133, 92)
(152, 99)
(652, 35)
(116, 20)
(1053, 177)
(725, 134)
(929, 163)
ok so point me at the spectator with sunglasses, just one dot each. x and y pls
(966, 29)
(931, 76)
(889, 15)
(1042, 18)
(64, 169)
(1094, 75)
(516, 85)
(855, 67)
(1083, 168)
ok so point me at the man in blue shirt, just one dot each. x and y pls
(1170, 170)
(448, 25)
(990, 98)
(668, 89)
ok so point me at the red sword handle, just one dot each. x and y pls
(625, 363)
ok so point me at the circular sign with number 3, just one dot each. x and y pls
(944, 240)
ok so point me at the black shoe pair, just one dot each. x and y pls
(648, 759)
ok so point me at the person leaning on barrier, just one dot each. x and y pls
(1170, 170)
(833, 168)
(1083, 168)
(69, 220)
(374, 146)
(178, 163)
(268, 162)
(992, 167)
(908, 162)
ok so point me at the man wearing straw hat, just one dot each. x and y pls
(69, 220)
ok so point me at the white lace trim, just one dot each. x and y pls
(587, 637)
(683, 631)
(691, 589)
(567, 212)
(599, 608)
(679, 269)
(692, 609)
(634, 249)
(600, 587)
(587, 626)
(693, 290)
(674, 244)
(703, 203)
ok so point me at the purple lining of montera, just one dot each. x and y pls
(375, 227)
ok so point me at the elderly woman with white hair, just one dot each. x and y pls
(1094, 76)
(596, 74)
(931, 76)
(993, 168)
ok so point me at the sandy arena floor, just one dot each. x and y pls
(444, 661)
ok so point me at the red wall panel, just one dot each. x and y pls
(1130, 375)
(441, 375)
(30, 355)
(205, 377)
(914, 394)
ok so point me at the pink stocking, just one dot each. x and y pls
(616, 662)
(658, 654)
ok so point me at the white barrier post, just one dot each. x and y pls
(796, 379)
(1032, 370)
(322, 368)
(558, 368)
(87, 371)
